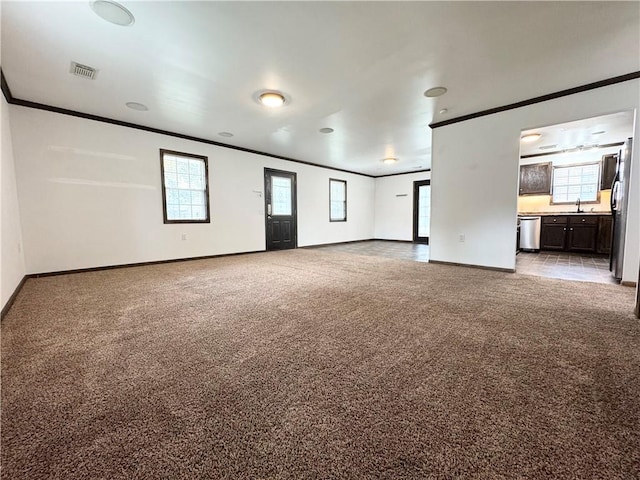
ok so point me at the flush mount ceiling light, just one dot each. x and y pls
(390, 160)
(226, 134)
(137, 106)
(435, 92)
(599, 132)
(326, 130)
(271, 99)
(532, 137)
(113, 12)
(443, 111)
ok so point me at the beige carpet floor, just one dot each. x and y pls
(312, 365)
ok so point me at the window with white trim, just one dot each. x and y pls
(575, 182)
(185, 187)
(337, 200)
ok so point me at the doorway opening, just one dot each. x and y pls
(572, 198)
(421, 211)
(281, 211)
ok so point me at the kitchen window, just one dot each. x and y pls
(185, 187)
(574, 182)
(337, 200)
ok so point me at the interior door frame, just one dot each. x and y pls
(294, 201)
(416, 198)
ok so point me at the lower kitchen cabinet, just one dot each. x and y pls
(582, 239)
(605, 225)
(573, 233)
(553, 237)
(553, 234)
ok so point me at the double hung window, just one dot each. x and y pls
(337, 200)
(185, 187)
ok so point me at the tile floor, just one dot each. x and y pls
(567, 266)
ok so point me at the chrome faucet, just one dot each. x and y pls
(578, 204)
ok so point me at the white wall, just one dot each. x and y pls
(475, 176)
(90, 196)
(11, 251)
(393, 214)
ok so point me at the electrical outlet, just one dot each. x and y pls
(461, 238)
(184, 236)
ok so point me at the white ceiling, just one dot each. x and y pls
(586, 133)
(358, 67)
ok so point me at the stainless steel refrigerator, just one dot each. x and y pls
(619, 208)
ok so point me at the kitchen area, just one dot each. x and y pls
(572, 196)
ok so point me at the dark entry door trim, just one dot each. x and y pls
(278, 226)
(416, 199)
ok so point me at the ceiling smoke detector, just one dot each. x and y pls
(83, 71)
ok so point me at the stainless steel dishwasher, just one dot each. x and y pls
(530, 234)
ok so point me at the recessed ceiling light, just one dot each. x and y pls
(435, 92)
(599, 132)
(326, 130)
(548, 147)
(137, 106)
(226, 134)
(390, 160)
(113, 12)
(532, 137)
(271, 99)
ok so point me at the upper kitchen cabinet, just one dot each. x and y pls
(535, 179)
(608, 171)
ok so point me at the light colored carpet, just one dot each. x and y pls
(304, 364)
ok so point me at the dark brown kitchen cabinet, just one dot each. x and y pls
(582, 234)
(605, 224)
(553, 235)
(535, 179)
(609, 163)
(576, 233)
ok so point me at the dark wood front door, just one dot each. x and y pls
(421, 210)
(280, 209)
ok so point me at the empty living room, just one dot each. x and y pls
(295, 240)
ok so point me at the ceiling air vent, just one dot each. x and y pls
(83, 71)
